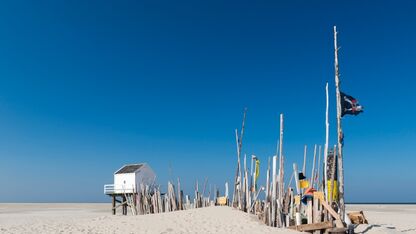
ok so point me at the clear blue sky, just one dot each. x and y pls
(87, 86)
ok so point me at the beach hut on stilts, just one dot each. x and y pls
(127, 181)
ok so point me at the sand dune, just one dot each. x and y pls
(96, 218)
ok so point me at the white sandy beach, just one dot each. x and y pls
(96, 218)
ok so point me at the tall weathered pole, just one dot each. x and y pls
(325, 180)
(281, 174)
(312, 179)
(304, 160)
(237, 194)
(340, 133)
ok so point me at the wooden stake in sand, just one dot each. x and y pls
(237, 194)
(312, 179)
(266, 209)
(253, 174)
(274, 188)
(281, 175)
(319, 166)
(340, 133)
(326, 142)
(297, 210)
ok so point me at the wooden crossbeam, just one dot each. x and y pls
(312, 226)
(117, 206)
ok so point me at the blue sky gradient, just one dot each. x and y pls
(87, 86)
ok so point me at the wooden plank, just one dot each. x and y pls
(338, 221)
(330, 210)
(312, 227)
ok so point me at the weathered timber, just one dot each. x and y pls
(312, 226)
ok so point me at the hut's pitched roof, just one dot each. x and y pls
(130, 168)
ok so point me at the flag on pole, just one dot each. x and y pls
(350, 105)
(304, 184)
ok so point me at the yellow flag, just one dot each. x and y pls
(257, 168)
(334, 190)
(304, 184)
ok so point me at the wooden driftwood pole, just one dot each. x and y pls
(237, 194)
(236, 180)
(268, 181)
(281, 175)
(304, 161)
(179, 195)
(326, 142)
(333, 168)
(226, 192)
(274, 188)
(297, 210)
(253, 174)
(246, 188)
(255, 198)
(318, 181)
(340, 133)
(266, 209)
(240, 145)
(312, 179)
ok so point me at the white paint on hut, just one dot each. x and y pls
(128, 178)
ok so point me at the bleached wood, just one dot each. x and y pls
(251, 175)
(326, 142)
(295, 171)
(235, 192)
(274, 188)
(226, 189)
(318, 175)
(340, 133)
(179, 195)
(254, 179)
(312, 227)
(312, 180)
(291, 179)
(309, 210)
(239, 152)
(316, 209)
(268, 181)
(304, 161)
(281, 174)
(255, 198)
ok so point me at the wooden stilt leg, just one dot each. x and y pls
(113, 205)
(124, 206)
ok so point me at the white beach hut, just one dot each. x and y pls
(128, 178)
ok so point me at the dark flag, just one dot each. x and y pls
(350, 105)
